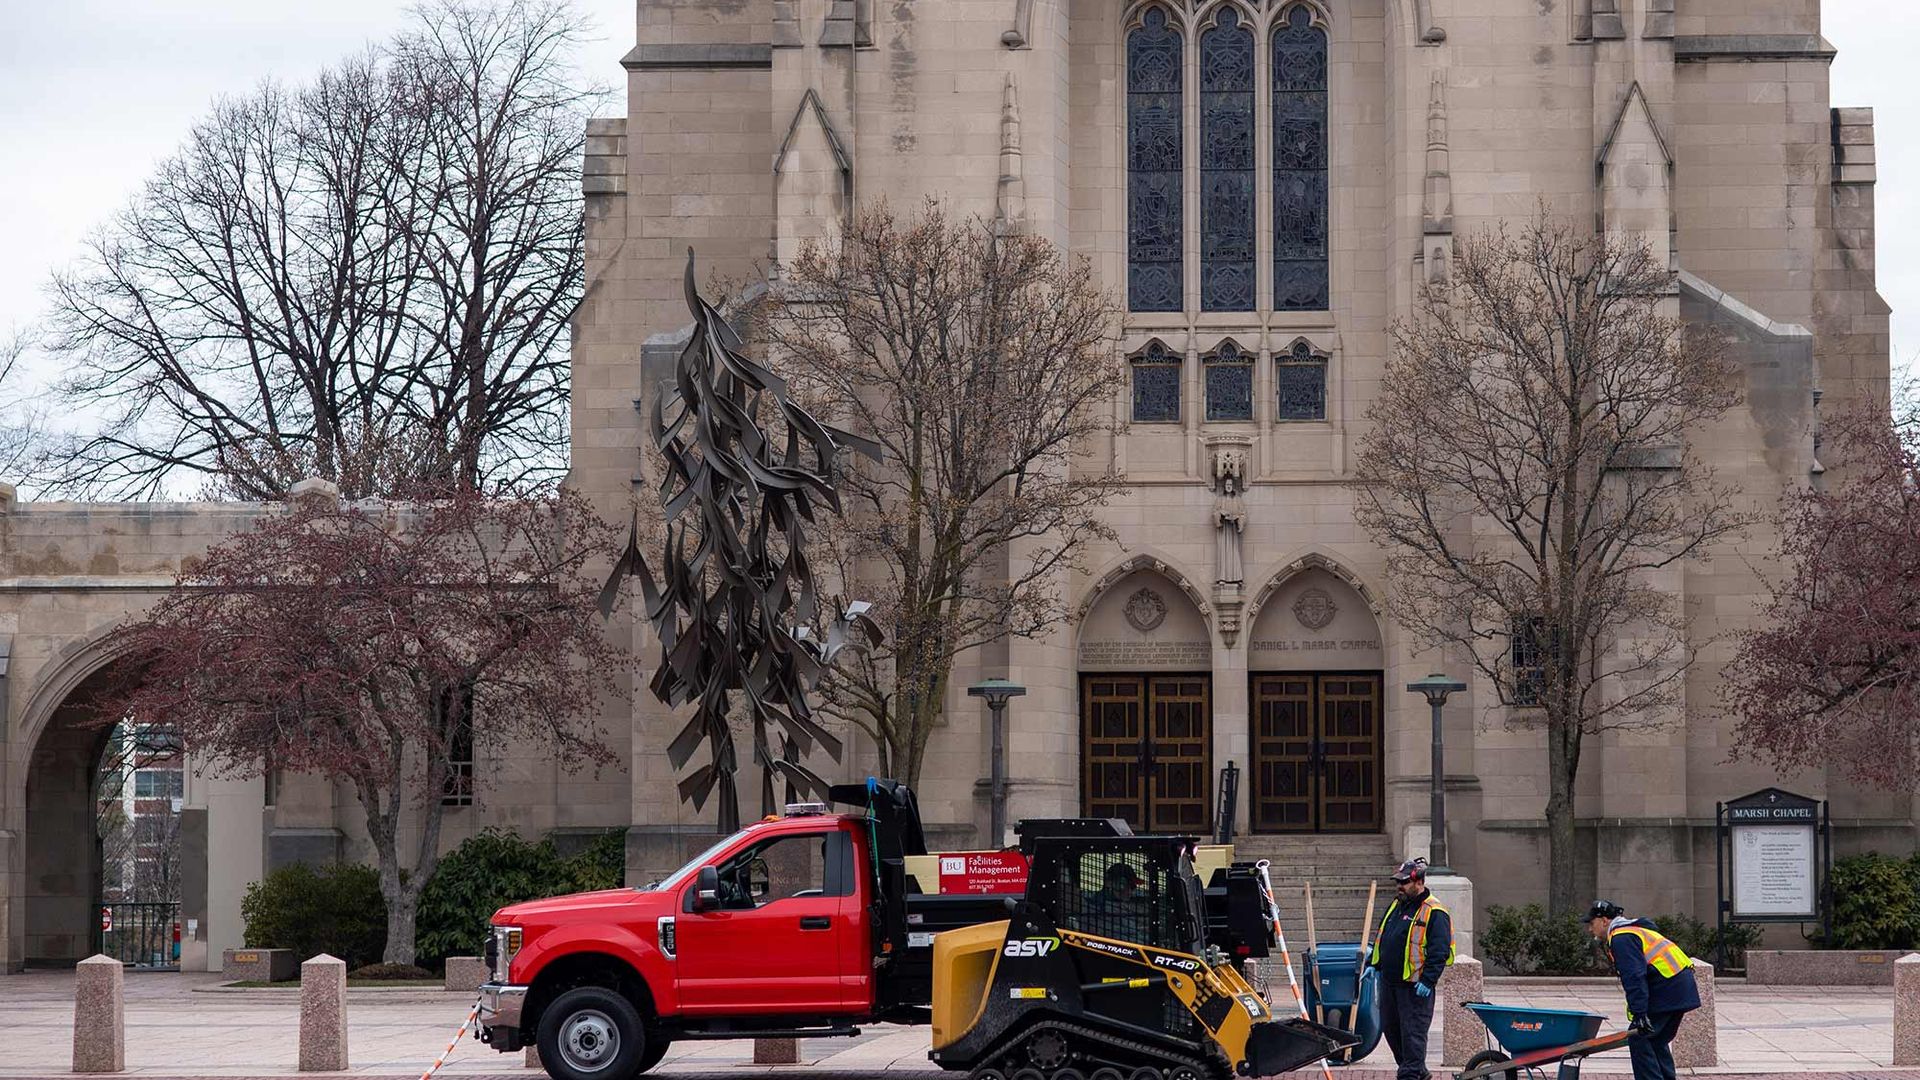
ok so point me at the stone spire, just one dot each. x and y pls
(1438, 188)
(1010, 202)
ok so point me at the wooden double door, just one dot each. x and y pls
(1317, 745)
(1146, 750)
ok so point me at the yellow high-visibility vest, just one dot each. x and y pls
(1662, 955)
(1416, 937)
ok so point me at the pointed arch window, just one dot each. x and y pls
(1227, 247)
(1156, 385)
(1155, 161)
(1229, 383)
(1300, 377)
(1300, 280)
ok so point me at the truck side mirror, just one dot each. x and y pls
(706, 889)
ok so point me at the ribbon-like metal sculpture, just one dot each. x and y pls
(736, 604)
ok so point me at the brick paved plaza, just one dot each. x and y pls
(183, 1025)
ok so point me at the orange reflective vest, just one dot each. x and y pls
(1662, 955)
(1416, 937)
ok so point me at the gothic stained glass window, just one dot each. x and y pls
(1299, 163)
(1155, 231)
(1156, 385)
(1226, 165)
(1229, 383)
(1301, 377)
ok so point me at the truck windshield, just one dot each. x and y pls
(694, 864)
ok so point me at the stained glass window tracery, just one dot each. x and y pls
(1299, 163)
(1155, 232)
(1156, 385)
(1300, 378)
(1229, 383)
(1226, 165)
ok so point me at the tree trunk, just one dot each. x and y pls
(401, 911)
(1563, 762)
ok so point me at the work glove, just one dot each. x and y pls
(1423, 989)
(1640, 1025)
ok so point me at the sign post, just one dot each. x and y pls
(1772, 854)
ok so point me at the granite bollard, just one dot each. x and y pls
(1461, 1033)
(466, 973)
(1697, 1044)
(776, 1051)
(1906, 1011)
(99, 1016)
(531, 1060)
(323, 1015)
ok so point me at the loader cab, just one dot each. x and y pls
(1139, 889)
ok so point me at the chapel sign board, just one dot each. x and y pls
(1772, 853)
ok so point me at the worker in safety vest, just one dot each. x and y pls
(1658, 979)
(1413, 946)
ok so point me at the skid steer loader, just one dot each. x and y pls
(1105, 971)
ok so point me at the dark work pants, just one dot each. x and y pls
(1653, 1054)
(1405, 1017)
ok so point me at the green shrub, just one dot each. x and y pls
(334, 909)
(1702, 940)
(1875, 905)
(1527, 941)
(495, 868)
(1509, 932)
(390, 972)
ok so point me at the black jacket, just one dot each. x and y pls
(1393, 941)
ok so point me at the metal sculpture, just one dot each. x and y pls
(736, 607)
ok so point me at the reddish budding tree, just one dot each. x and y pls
(365, 642)
(1834, 677)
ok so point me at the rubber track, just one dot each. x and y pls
(1083, 1039)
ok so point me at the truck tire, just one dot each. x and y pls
(593, 1033)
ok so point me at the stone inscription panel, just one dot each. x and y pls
(1146, 655)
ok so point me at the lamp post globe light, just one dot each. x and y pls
(1435, 689)
(997, 692)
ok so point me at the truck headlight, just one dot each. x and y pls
(506, 942)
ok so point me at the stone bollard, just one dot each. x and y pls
(1906, 1011)
(323, 1015)
(1697, 1044)
(465, 974)
(776, 1051)
(1461, 1034)
(99, 1016)
(532, 1058)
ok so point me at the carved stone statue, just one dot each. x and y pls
(1230, 520)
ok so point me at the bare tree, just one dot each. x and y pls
(1527, 472)
(981, 363)
(1832, 678)
(366, 279)
(23, 424)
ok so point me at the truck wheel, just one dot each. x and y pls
(593, 1033)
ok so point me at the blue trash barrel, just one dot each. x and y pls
(1330, 986)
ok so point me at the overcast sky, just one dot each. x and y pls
(94, 92)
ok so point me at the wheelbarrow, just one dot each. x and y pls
(1343, 992)
(1531, 1039)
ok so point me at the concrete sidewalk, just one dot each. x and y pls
(174, 1032)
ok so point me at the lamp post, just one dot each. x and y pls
(997, 691)
(1435, 689)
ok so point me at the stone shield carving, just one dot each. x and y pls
(1315, 609)
(1145, 610)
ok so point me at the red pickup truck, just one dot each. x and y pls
(803, 925)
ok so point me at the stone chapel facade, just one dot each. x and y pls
(1264, 184)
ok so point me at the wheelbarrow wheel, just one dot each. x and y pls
(1491, 1057)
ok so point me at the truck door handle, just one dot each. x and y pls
(815, 922)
